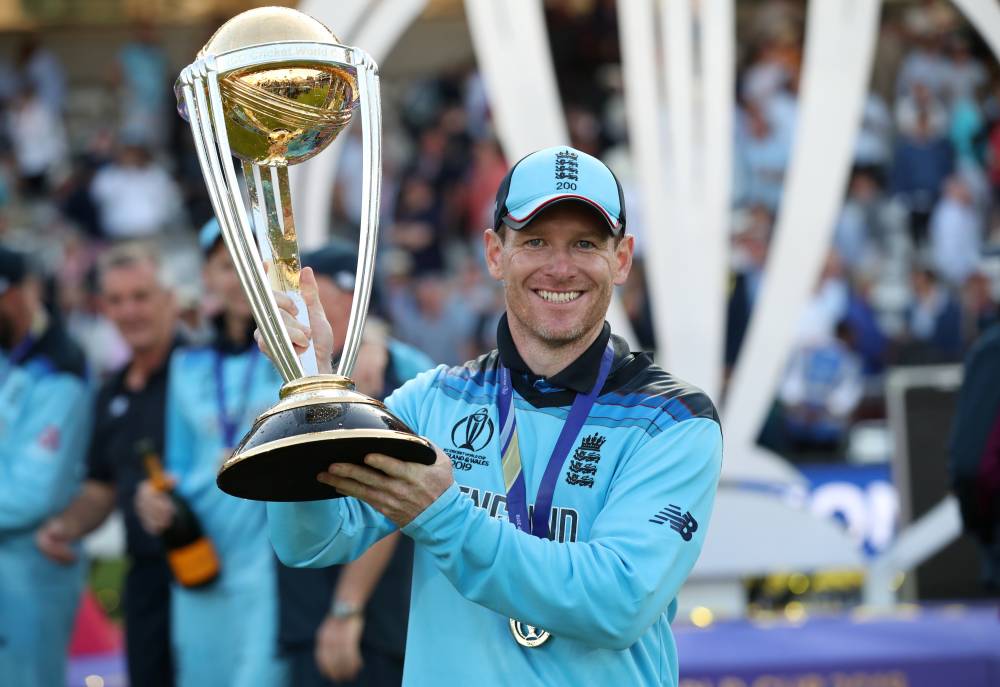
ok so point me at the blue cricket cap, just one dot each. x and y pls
(337, 261)
(209, 235)
(554, 175)
(14, 268)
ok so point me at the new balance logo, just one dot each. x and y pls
(682, 523)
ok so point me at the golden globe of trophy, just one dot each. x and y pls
(273, 87)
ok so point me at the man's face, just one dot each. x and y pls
(11, 306)
(138, 305)
(18, 305)
(223, 283)
(559, 272)
(336, 306)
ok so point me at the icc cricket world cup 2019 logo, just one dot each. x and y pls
(473, 432)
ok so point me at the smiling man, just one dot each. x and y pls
(574, 479)
(129, 410)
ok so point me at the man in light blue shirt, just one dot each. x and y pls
(45, 424)
(574, 479)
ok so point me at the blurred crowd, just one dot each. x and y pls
(913, 273)
(910, 278)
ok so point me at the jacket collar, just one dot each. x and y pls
(578, 376)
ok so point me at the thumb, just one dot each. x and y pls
(310, 294)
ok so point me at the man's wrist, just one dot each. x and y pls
(68, 526)
(342, 610)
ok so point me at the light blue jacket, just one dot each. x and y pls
(626, 533)
(45, 424)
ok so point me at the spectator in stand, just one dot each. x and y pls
(41, 70)
(980, 308)
(418, 228)
(828, 305)
(38, 139)
(966, 133)
(964, 74)
(638, 308)
(921, 102)
(873, 148)
(766, 75)
(584, 129)
(435, 161)
(140, 74)
(956, 233)
(477, 105)
(921, 163)
(867, 337)
(8, 82)
(487, 170)
(749, 256)
(934, 328)
(923, 64)
(347, 186)
(762, 156)
(821, 389)
(135, 196)
(484, 301)
(861, 231)
(433, 318)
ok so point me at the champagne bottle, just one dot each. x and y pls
(190, 553)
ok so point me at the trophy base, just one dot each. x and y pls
(318, 421)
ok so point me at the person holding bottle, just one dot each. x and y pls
(225, 633)
(44, 429)
(129, 409)
(191, 555)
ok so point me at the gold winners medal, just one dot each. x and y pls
(528, 635)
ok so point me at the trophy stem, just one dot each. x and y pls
(238, 236)
(270, 198)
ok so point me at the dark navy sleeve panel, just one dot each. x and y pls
(55, 351)
(649, 386)
(638, 393)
